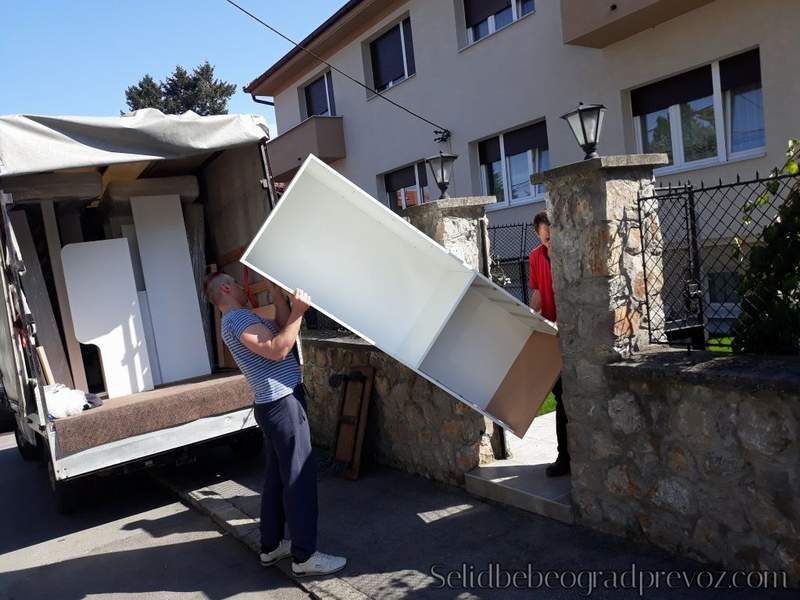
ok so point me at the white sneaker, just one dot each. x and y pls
(283, 550)
(319, 564)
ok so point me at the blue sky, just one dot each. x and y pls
(76, 57)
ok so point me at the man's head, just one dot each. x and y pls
(223, 290)
(542, 226)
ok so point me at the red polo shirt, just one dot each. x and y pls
(542, 280)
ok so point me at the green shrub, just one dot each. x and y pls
(770, 287)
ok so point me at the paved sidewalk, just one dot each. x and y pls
(129, 539)
(393, 527)
(539, 446)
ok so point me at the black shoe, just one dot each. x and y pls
(558, 468)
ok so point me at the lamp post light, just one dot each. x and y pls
(586, 122)
(441, 166)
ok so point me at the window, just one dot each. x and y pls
(483, 17)
(708, 115)
(392, 56)
(492, 177)
(319, 97)
(740, 81)
(723, 287)
(508, 161)
(407, 186)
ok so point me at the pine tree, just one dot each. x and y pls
(182, 91)
(145, 94)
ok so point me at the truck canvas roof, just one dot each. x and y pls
(36, 144)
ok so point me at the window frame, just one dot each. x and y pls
(534, 156)
(420, 189)
(403, 43)
(327, 79)
(722, 126)
(740, 154)
(516, 15)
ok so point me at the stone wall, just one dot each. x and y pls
(699, 455)
(412, 424)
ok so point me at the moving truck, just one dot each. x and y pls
(76, 190)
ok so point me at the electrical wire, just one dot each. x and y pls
(443, 134)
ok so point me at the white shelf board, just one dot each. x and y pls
(361, 263)
(373, 272)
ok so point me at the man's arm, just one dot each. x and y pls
(259, 339)
(533, 281)
(536, 301)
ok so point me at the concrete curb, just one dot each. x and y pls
(213, 500)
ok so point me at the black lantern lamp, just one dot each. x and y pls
(441, 166)
(586, 122)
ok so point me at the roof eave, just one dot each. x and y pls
(348, 22)
(260, 85)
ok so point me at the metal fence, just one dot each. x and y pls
(510, 246)
(703, 248)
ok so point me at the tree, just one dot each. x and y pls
(147, 94)
(182, 91)
(770, 288)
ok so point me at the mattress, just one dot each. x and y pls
(165, 407)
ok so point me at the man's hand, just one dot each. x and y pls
(300, 302)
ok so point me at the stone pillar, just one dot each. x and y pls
(459, 225)
(456, 224)
(599, 283)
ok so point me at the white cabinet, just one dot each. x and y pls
(370, 270)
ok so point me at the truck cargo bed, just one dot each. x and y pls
(165, 407)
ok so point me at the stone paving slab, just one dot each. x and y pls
(234, 508)
(394, 528)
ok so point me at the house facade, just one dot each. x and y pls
(710, 82)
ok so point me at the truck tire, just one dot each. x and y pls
(27, 450)
(248, 444)
(65, 493)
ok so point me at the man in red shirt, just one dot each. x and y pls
(543, 301)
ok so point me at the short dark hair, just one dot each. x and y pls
(540, 219)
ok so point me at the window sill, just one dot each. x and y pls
(525, 202)
(495, 32)
(712, 162)
(372, 96)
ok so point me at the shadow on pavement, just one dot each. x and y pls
(132, 572)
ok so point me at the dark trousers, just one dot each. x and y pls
(561, 422)
(290, 486)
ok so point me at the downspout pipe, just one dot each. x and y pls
(260, 101)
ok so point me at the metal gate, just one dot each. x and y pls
(702, 249)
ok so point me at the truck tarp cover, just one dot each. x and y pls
(37, 144)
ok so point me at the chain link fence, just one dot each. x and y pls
(510, 246)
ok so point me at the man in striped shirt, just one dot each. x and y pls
(263, 351)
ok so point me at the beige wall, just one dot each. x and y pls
(524, 73)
